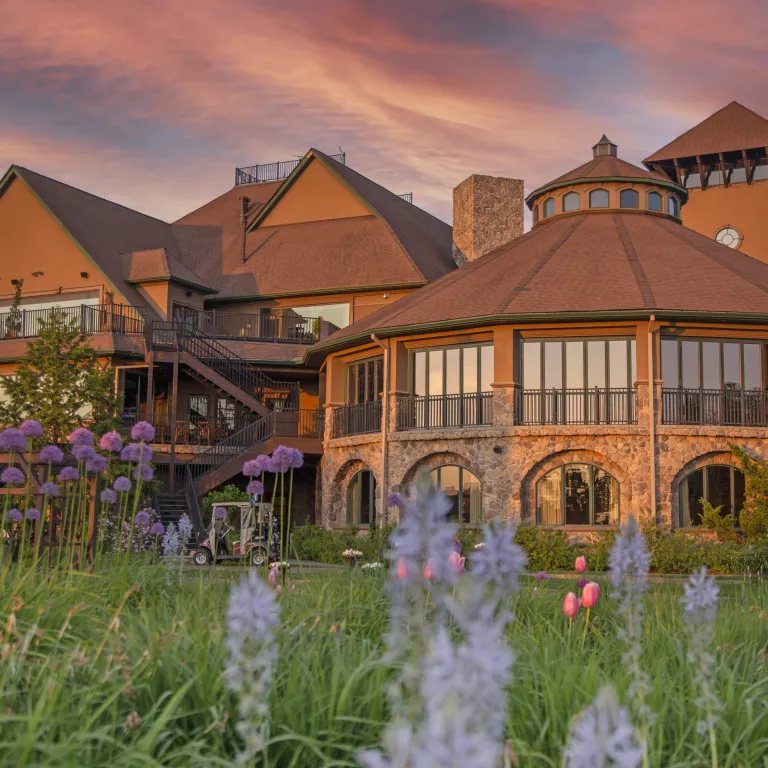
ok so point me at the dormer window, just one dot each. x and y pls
(654, 202)
(571, 202)
(599, 198)
(549, 207)
(628, 198)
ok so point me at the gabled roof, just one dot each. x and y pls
(104, 230)
(588, 265)
(731, 128)
(397, 245)
(156, 265)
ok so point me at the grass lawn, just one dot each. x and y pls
(91, 677)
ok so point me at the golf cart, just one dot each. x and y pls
(239, 531)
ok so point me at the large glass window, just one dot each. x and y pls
(711, 364)
(365, 380)
(464, 492)
(654, 201)
(628, 198)
(598, 198)
(337, 314)
(571, 202)
(549, 207)
(361, 499)
(577, 494)
(718, 484)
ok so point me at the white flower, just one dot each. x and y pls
(479, 545)
(372, 566)
(351, 553)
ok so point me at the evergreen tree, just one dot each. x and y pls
(14, 319)
(61, 383)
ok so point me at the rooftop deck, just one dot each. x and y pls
(255, 174)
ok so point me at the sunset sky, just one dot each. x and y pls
(154, 104)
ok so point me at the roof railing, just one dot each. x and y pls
(407, 196)
(256, 174)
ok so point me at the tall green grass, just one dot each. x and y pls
(93, 673)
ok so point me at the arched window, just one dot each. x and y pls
(571, 202)
(598, 198)
(535, 214)
(719, 484)
(654, 201)
(361, 499)
(577, 494)
(628, 198)
(463, 490)
(549, 207)
(673, 207)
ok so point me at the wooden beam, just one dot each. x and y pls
(151, 387)
(677, 172)
(702, 174)
(722, 169)
(172, 425)
(748, 167)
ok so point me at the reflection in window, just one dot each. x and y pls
(629, 198)
(571, 202)
(719, 484)
(598, 198)
(673, 207)
(365, 380)
(577, 494)
(337, 314)
(654, 201)
(464, 493)
(549, 207)
(361, 499)
(712, 364)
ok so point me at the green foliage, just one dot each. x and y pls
(61, 383)
(722, 525)
(754, 516)
(227, 493)
(313, 543)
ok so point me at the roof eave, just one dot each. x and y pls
(171, 279)
(322, 291)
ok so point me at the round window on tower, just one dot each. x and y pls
(729, 236)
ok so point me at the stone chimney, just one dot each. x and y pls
(487, 212)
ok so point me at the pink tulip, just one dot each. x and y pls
(427, 571)
(581, 564)
(278, 590)
(571, 605)
(590, 595)
(457, 561)
(272, 577)
(402, 569)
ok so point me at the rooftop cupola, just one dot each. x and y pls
(604, 147)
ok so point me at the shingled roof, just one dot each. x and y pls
(732, 128)
(397, 245)
(156, 264)
(590, 264)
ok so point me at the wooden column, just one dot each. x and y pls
(151, 387)
(172, 425)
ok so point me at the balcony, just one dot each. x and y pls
(282, 328)
(575, 406)
(716, 407)
(254, 174)
(470, 409)
(360, 419)
(91, 319)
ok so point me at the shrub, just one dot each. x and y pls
(722, 525)
(754, 515)
(227, 493)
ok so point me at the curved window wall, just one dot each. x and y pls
(599, 198)
(571, 202)
(463, 490)
(629, 198)
(361, 499)
(577, 494)
(654, 202)
(673, 206)
(549, 207)
(719, 484)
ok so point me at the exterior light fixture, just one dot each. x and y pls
(37, 274)
(84, 274)
(499, 449)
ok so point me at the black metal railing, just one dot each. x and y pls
(277, 327)
(90, 318)
(191, 431)
(728, 407)
(576, 406)
(280, 395)
(251, 174)
(357, 419)
(470, 409)
(407, 196)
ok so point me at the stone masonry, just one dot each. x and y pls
(509, 460)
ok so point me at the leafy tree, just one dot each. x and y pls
(14, 319)
(61, 383)
(754, 515)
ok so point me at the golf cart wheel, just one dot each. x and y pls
(203, 557)
(258, 556)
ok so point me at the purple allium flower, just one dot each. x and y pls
(31, 428)
(12, 476)
(255, 488)
(97, 464)
(130, 453)
(542, 576)
(14, 516)
(33, 514)
(108, 496)
(12, 440)
(602, 735)
(144, 431)
(253, 616)
(220, 513)
(142, 517)
(81, 436)
(396, 500)
(581, 583)
(282, 459)
(122, 484)
(69, 473)
(143, 472)
(83, 452)
(157, 529)
(48, 489)
(500, 561)
(258, 465)
(111, 441)
(52, 454)
(297, 459)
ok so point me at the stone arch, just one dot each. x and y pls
(724, 457)
(572, 456)
(338, 491)
(433, 460)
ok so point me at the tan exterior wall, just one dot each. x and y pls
(742, 206)
(317, 195)
(32, 241)
(156, 295)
